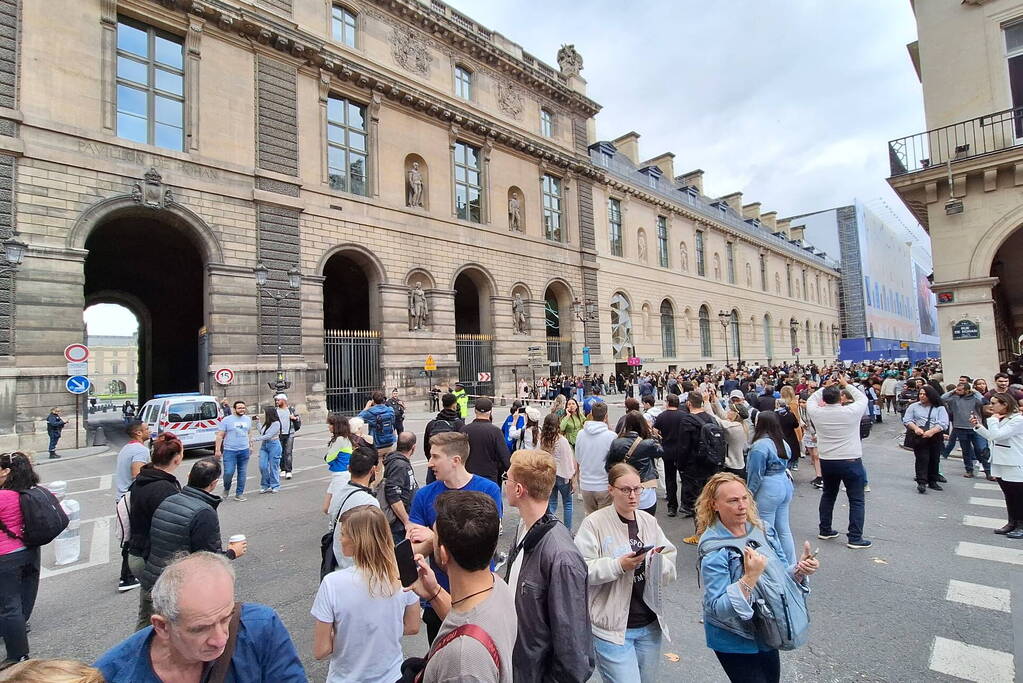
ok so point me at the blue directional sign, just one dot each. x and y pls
(78, 384)
(586, 356)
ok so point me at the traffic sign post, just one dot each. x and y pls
(76, 353)
(77, 369)
(77, 385)
(430, 365)
(483, 377)
(224, 376)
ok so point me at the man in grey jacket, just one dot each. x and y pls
(963, 402)
(549, 577)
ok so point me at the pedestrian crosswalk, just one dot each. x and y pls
(969, 661)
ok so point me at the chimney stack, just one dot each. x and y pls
(665, 162)
(782, 226)
(693, 179)
(734, 200)
(751, 211)
(768, 220)
(628, 145)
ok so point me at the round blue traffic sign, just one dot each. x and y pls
(78, 384)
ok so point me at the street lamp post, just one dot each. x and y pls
(584, 310)
(725, 319)
(14, 254)
(278, 295)
(794, 329)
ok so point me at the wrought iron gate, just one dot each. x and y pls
(353, 368)
(475, 353)
(559, 353)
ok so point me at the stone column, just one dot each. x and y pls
(971, 301)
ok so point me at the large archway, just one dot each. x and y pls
(153, 264)
(351, 321)
(1008, 296)
(474, 342)
(558, 316)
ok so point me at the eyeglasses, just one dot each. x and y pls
(629, 490)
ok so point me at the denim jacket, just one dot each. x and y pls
(763, 461)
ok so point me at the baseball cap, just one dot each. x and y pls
(484, 405)
(735, 393)
(281, 396)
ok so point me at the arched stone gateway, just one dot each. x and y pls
(558, 324)
(474, 329)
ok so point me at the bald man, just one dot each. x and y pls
(194, 615)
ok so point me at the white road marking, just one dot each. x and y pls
(983, 522)
(989, 502)
(106, 481)
(99, 551)
(977, 595)
(987, 487)
(993, 553)
(971, 662)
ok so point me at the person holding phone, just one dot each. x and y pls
(361, 611)
(628, 558)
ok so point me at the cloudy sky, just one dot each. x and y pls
(791, 102)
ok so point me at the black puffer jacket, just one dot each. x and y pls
(148, 490)
(642, 458)
(186, 521)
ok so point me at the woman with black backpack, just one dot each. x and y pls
(19, 563)
(636, 446)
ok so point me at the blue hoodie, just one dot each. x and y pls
(384, 414)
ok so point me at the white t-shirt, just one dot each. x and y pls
(367, 630)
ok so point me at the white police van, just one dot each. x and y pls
(192, 417)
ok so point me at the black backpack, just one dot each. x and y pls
(712, 447)
(43, 517)
(439, 426)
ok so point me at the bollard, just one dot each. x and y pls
(99, 437)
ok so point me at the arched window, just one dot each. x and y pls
(820, 337)
(621, 325)
(733, 327)
(768, 337)
(667, 329)
(705, 346)
(793, 335)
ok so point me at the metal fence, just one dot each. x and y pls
(353, 368)
(975, 137)
(475, 353)
(559, 353)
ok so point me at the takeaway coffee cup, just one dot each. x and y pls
(237, 538)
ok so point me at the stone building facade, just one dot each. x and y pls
(113, 364)
(433, 185)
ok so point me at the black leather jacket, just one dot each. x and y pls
(642, 458)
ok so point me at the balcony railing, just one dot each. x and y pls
(964, 140)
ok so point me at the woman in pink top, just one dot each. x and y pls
(552, 441)
(19, 565)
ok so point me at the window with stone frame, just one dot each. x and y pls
(347, 145)
(463, 83)
(553, 221)
(1014, 57)
(546, 123)
(344, 25)
(701, 262)
(150, 97)
(662, 242)
(730, 258)
(667, 329)
(706, 348)
(468, 170)
(614, 227)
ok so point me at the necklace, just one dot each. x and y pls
(472, 595)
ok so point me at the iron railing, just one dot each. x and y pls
(559, 355)
(475, 353)
(964, 140)
(353, 368)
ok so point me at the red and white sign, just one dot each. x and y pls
(483, 377)
(76, 353)
(224, 376)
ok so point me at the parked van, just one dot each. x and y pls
(192, 417)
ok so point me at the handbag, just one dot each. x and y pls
(913, 439)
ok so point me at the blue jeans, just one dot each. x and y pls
(852, 474)
(54, 438)
(562, 486)
(270, 465)
(974, 448)
(235, 460)
(773, 499)
(634, 662)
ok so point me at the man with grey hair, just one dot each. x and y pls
(199, 632)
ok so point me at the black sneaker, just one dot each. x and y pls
(920, 488)
(942, 479)
(935, 487)
(826, 535)
(672, 512)
(124, 586)
(858, 545)
(818, 482)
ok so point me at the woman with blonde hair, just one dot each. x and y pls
(362, 612)
(51, 671)
(558, 407)
(727, 512)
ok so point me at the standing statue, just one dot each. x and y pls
(749, 275)
(520, 323)
(415, 186)
(514, 212)
(684, 257)
(418, 310)
(569, 61)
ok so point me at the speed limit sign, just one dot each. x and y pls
(224, 376)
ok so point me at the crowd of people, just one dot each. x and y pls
(565, 595)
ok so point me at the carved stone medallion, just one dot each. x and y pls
(509, 99)
(151, 193)
(410, 52)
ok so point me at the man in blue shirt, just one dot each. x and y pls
(194, 616)
(448, 454)
(232, 446)
(379, 417)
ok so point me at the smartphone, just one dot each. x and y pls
(815, 554)
(407, 569)
(643, 551)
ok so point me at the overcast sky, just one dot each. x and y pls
(791, 102)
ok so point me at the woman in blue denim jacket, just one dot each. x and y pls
(727, 510)
(768, 480)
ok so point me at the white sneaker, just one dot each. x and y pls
(866, 487)
(287, 475)
(264, 490)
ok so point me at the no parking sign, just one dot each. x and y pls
(224, 376)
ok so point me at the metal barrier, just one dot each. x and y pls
(353, 369)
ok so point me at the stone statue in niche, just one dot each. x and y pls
(777, 283)
(642, 247)
(415, 186)
(418, 309)
(684, 257)
(749, 275)
(569, 61)
(520, 321)
(514, 212)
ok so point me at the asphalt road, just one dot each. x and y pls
(934, 599)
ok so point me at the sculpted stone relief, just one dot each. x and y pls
(410, 51)
(569, 61)
(418, 309)
(510, 101)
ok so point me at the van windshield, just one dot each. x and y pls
(190, 411)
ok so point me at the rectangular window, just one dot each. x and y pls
(763, 272)
(1014, 55)
(468, 183)
(546, 123)
(701, 264)
(150, 86)
(551, 190)
(347, 151)
(463, 83)
(730, 257)
(614, 226)
(866, 289)
(343, 25)
(662, 241)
